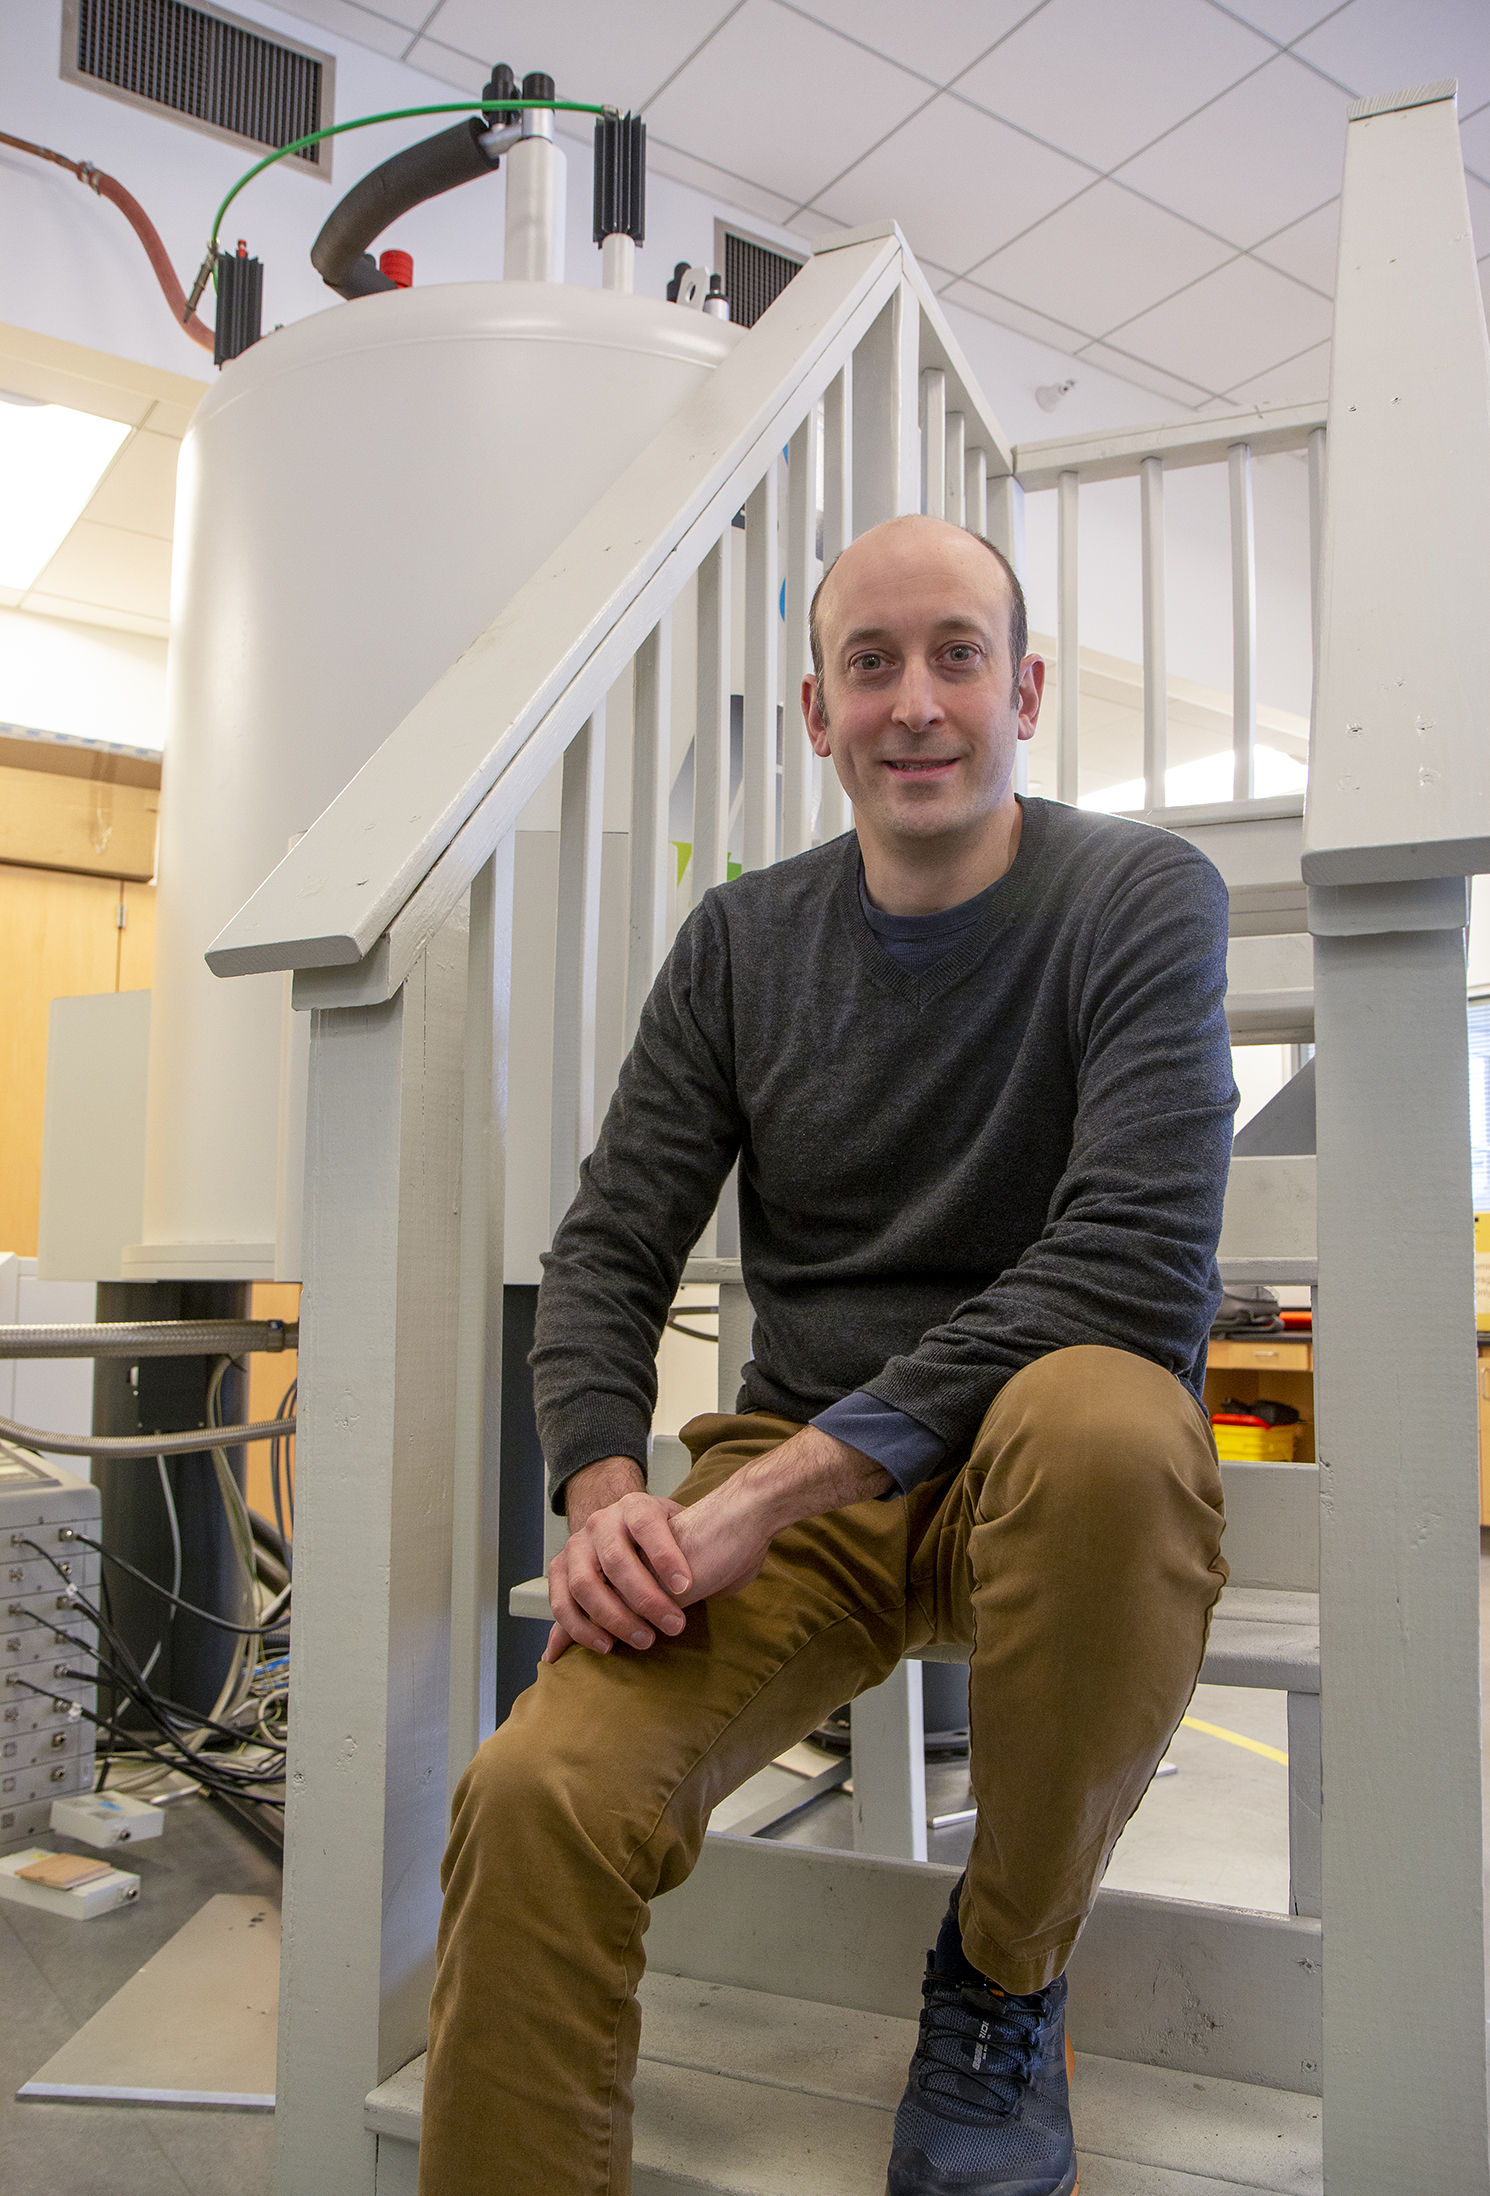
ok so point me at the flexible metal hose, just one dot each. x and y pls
(203, 1438)
(107, 186)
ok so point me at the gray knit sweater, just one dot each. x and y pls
(943, 1175)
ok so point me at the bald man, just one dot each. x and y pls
(972, 1061)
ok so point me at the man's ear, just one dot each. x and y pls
(814, 717)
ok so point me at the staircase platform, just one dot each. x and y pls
(742, 2093)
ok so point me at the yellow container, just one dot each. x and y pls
(1255, 1444)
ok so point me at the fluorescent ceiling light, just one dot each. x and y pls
(1210, 778)
(51, 460)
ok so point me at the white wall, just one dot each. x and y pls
(85, 680)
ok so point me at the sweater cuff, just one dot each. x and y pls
(907, 1450)
(587, 1433)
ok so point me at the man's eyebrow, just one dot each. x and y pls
(863, 633)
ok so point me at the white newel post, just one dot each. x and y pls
(370, 1678)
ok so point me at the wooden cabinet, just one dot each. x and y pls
(1279, 1366)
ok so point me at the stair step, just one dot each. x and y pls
(742, 2093)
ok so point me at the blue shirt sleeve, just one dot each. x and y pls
(909, 1451)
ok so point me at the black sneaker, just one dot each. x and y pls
(986, 2111)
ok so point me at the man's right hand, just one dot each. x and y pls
(603, 1585)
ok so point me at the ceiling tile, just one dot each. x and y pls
(1385, 45)
(386, 31)
(1100, 82)
(1297, 381)
(88, 613)
(463, 70)
(110, 568)
(139, 489)
(1308, 248)
(754, 100)
(619, 56)
(702, 175)
(1101, 258)
(959, 182)
(1474, 136)
(1009, 313)
(812, 223)
(1260, 156)
(1229, 326)
(1281, 19)
(935, 42)
(1144, 375)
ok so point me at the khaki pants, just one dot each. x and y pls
(1077, 1553)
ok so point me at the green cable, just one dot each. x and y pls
(362, 122)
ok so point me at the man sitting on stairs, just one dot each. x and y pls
(972, 1060)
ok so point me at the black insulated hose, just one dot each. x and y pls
(340, 253)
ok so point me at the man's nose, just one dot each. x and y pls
(917, 704)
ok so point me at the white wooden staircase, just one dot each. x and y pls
(783, 1979)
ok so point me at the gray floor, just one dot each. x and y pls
(1216, 1831)
(56, 1973)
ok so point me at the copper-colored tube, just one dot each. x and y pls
(134, 213)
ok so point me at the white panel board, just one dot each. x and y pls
(93, 1135)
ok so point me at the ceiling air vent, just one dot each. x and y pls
(755, 274)
(202, 67)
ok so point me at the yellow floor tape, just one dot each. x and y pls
(1234, 1738)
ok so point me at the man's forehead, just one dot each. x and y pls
(874, 596)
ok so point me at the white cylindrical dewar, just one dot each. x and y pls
(534, 246)
(358, 496)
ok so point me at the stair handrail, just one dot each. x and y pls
(378, 872)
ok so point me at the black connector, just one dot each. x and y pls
(240, 304)
(501, 84)
(621, 177)
(537, 86)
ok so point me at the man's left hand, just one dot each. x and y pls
(724, 1536)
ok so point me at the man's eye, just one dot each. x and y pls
(867, 662)
(962, 652)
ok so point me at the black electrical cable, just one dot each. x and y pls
(202, 1769)
(243, 1631)
(160, 1712)
(279, 1462)
(129, 1680)
(160, 1709)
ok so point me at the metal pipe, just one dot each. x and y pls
(534, 248)
(151, 1338)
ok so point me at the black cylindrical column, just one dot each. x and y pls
(167, 1395)
(523, 1502)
